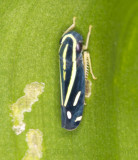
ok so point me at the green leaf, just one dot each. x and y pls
(30, 32)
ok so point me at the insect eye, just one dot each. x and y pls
(79, 47)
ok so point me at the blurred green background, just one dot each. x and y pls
(30, 31)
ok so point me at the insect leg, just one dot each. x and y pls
(88, 85)
(71, 27)
(87, 66)
(85, 47)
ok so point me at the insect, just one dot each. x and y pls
(74, 84)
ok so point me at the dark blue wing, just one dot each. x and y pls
(72, 96)
(75, 112)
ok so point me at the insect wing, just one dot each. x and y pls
(72, 105)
